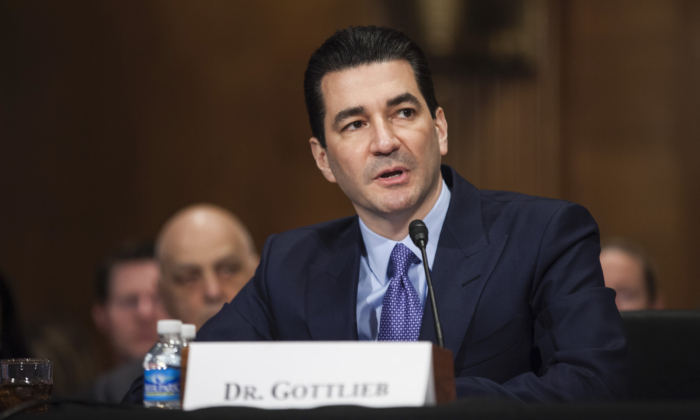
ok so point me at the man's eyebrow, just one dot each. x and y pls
(228, 258)
(186, 266)
(346, 113)
(406, 97)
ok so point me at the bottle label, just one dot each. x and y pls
(161, 385)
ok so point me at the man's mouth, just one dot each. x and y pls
(398, 175)
(392, 174)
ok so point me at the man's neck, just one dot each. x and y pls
(394, 226)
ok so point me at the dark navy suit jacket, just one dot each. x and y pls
(517, 281)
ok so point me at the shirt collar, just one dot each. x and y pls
(379, 248)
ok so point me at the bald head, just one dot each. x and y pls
(206, 256)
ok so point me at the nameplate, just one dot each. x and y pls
(309, 374)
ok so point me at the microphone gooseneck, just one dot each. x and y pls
(418, 232)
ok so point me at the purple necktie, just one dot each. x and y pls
(401, 309)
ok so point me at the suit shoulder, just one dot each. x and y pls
(532, 210)
(321, 234)
(331, 227)
(288, 255)
(501, 198)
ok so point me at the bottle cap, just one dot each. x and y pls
(189, 331)
(169, 326)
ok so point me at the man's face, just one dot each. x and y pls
(202, 270)
(624, 273)
(133, 308)
(383, 148)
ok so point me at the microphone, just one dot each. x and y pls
(418, 232)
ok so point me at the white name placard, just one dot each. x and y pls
(280, 375)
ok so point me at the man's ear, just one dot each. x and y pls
(441, 130)
(99, 317)
(321, 158)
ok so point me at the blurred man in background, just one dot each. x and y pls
(127, 309)
(206, 256)
(629, 271)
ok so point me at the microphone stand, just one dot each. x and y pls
(418, 232)
(438, 327)
(443, 366)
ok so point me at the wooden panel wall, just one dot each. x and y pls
(504, 128)
(630, 111)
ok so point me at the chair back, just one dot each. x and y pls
(664, 351)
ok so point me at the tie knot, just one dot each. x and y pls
(401, 260)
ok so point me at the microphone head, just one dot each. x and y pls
(418, 232)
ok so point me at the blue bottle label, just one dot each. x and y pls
(161, 385)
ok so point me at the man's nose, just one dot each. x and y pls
(384, 140)
(212, 288)
(145, 308)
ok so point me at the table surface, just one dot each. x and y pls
(462, 409)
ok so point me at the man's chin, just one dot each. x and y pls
(396, 204)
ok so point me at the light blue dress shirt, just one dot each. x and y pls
(374, 265)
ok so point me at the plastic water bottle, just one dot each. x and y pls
(161, 387)
(188, 333)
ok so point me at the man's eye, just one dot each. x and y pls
(228, 269)
(407, 113)
(127, 303)
(353, 125)
(186, 278)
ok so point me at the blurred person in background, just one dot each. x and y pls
(12, 343)
(63, 343)
(629, 271)
(127, 309)
(74, 357)
(206, 256)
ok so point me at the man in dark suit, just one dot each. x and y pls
(517, 279)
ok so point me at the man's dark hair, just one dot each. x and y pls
(126, 252)
(355, 46)
(636, 251)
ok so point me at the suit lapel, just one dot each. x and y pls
(332, 289)
(458, 282)
(465, 258)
